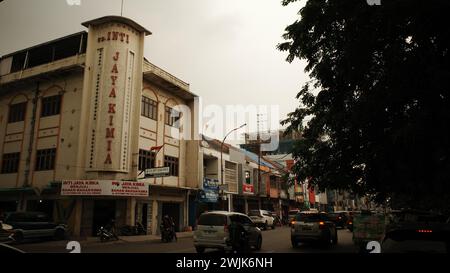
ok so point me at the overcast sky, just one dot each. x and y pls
(226, 49)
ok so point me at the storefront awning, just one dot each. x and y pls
(16, 190)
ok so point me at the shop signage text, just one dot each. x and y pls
(110, 131)
(104, 188)
(157, 172)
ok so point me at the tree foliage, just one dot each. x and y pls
(376, 116)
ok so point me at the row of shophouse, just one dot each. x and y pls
(83, 117)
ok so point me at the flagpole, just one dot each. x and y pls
(121, 9)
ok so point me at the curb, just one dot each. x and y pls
(131, 239)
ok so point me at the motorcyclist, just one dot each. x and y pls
(169, 225)
(238, 236)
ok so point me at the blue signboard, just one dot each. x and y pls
(210, 193)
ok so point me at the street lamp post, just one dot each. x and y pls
(221, 158)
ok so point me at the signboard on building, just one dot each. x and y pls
(157, 172)
(104, 188)
(247, 187)
(210, 192)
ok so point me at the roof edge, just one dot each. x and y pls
(119, 19)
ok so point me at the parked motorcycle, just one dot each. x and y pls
(106, 235)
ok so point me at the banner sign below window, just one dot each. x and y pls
(104, 188)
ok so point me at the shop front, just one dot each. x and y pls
(97, 203)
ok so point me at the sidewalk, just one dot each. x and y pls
(136, 239)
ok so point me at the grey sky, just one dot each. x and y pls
(226, 49)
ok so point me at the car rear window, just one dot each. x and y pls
(254, 213)
(212, 220)
(302, 217)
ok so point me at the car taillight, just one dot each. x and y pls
(321, 225)
(293, 223)
(350, 223)
(424, 231)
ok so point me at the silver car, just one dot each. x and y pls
(33, 225)
(213, 231)
(313, 227)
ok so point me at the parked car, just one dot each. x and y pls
(262, 218)
(32, 225)
(339, 218)
(213, 231)
(313, 227)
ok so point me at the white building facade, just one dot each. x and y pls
(82, 117)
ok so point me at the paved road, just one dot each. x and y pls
(274, 241)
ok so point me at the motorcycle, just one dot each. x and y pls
(106, 235)
(167, 234)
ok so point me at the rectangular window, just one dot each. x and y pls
(149, 108)
(17, 112)
(10, 163)
(146, 160)
(45, 160)
(51, 106)
(172, 117)
(173, 164)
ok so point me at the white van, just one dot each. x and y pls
(213, 231)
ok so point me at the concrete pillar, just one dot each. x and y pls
(230, 202)
(155, 217)
(186, 210)
(131, 212)
(245, 205)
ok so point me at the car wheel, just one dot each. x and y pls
(59, 235)
(273, 226)
(294, 243)
(258, 244)
(266, 226)
(200, 249)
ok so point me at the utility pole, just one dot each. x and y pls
(259, 159)
(222, 167)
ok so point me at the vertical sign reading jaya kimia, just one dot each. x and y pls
(112, 101)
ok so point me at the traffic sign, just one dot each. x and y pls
(157, 172)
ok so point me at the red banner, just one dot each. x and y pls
(248, 189)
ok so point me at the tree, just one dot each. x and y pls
(376, 115)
